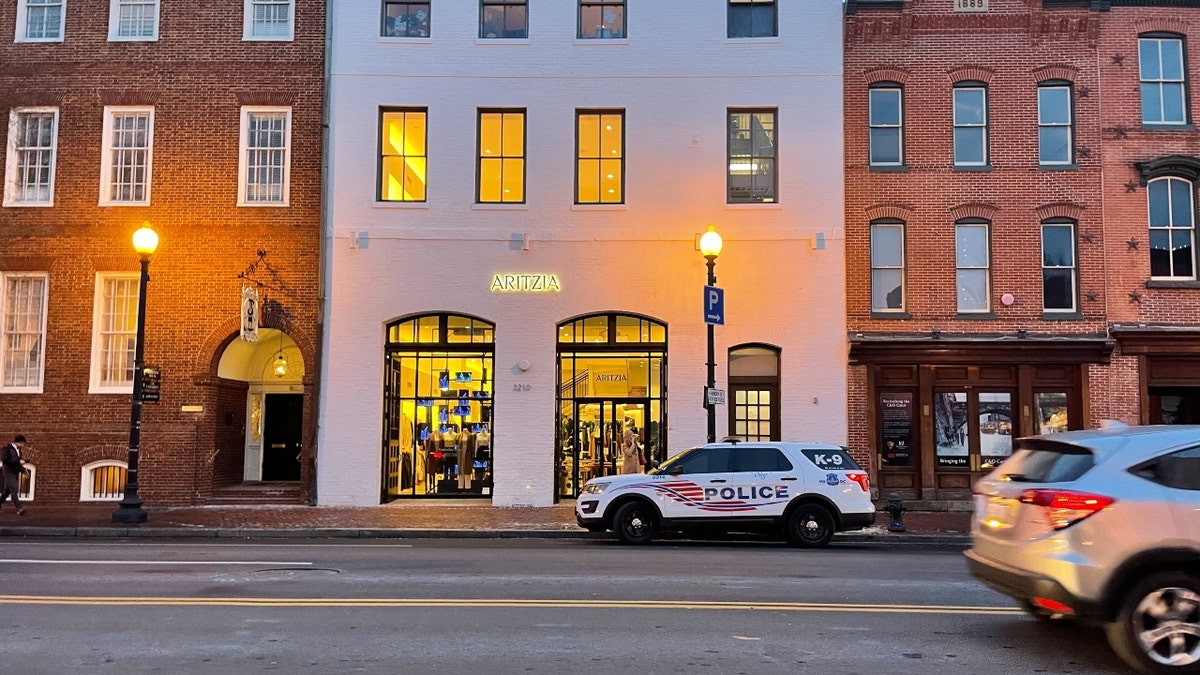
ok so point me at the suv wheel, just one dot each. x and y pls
(634, 522)
(1158, 625)
(810, 525)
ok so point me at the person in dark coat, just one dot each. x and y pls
(12, 466)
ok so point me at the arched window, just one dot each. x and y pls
(1172, 209)
(754, 392)
(437, 417)
(102, 481)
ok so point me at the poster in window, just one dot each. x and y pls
(1051, 411)
(995, 428)
(950, 429)
(896, 415)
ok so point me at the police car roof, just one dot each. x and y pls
(733, 440)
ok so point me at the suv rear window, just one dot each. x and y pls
(1044, 461)
(831, 460)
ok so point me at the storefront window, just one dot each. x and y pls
(896, 413)
(1051, 410)
(438, 407)
(995, 428)
(950, 429)
(611, 398)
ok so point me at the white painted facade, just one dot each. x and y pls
(675, 76)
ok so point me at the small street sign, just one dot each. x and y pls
(714, 305)
(151, 379)
(716, 397)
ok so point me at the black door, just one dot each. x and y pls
(282, 436)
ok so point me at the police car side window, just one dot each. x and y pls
(706, 460)
(761, 459)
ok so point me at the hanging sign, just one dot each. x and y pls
(151, 381)
(250, 314)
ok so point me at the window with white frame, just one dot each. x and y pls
(402, 160)
(1172, 209)
(501, 165)
(503, 19)
(601, 19)
(40, 20)
(752, 18)
(269, 20)
(32, 145)
(751, 176)
(1055, 137)
(103, 481)
(1160, 69)
(126, 155)
(970, 125)
(133, 20)
(265, 156)
(405, 19)
(973, 264)
(887, 266)
(885, 113)
(1059, 271)
(23, 321)
(114, 333)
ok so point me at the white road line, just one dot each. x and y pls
(32, 561)
(132, 544)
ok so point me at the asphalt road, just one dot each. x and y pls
(514, 606)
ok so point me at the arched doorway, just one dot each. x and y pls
(272, 369)
(437, 407)
(612, 374)
(754, 392)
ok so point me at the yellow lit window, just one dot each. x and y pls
(501, 157)
(402, 162)
(600, 164)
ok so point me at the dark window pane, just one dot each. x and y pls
(761, 459)
(885, 146)
(1181, 203)
(1058, 248)
(1057, 291)
(1160, 212)
(885, 106)
(1160, 253)
(1181, 252)
(706, 460)
(1053, 145)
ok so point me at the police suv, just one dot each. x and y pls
(803, 491)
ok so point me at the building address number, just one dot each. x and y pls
(522, 387)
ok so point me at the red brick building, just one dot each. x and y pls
(205, 121)
(1020, 220)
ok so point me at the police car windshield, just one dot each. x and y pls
(662, 468)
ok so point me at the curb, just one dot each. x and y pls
(406, 533)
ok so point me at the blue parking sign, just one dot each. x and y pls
(714, 305)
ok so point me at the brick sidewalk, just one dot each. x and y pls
(448, 515)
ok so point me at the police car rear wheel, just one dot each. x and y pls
(634, 523)
(810, 526)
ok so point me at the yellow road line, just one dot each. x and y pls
(503, 602)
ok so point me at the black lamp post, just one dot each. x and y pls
(130, 510)
(710, 247)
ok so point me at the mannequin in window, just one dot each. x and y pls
(630, 462)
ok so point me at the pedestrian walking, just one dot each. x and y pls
(13, 467)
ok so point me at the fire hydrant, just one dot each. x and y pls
(895, 507)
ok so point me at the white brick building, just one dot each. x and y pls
(592, 163)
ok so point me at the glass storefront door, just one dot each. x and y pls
(599, 432)
(973, 430)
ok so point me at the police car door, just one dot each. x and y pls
(693, 484)
(764, 480)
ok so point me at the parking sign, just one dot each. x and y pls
(714, 305)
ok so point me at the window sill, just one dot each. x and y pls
(888, 168)
(399, 205)
(754, 205)
(975, 316)
(891, 315)
(262, 205)
(249, 38)
(1058, 167)
(601, 41)
(500, 207)
(140, 38)
(1061, 316)
(980, 168)
(599, 207)
(764, 40)
(502, 41)
(405, 40)
(119, 204)
(37, 40)
(27, 205)
(1167, 283)
(1168, 127)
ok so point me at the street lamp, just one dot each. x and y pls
(710, 247)
(130, 510)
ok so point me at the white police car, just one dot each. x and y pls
(804, 491)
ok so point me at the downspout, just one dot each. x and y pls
(326, 252)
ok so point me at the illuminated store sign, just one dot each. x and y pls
(525, 283)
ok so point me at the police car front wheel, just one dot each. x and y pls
(810, 525)
(634, 522)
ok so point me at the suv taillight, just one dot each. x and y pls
(1064, 508)
(863, 480)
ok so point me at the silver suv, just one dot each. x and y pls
(803, 491)
(1103, 526)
